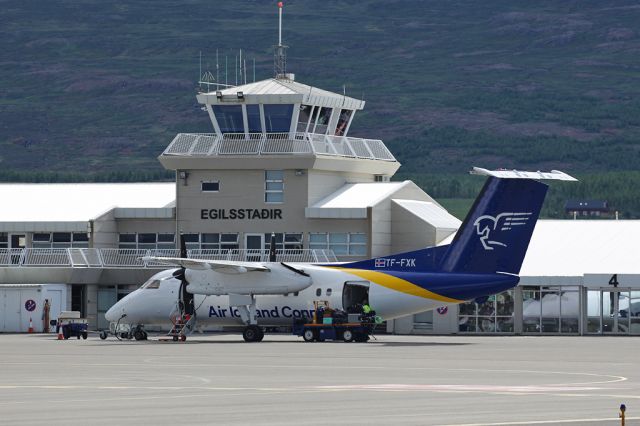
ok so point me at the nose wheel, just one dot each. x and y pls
(252, 333)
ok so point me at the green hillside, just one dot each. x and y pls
(96, 90)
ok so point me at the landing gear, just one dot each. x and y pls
(139, 333)
(252, 333)
(309, 335)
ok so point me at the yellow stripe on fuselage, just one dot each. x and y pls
(397, 284)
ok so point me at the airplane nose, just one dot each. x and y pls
(115, 312)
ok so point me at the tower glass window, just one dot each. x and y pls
(277, 118)
(229, 118)
(253, 119)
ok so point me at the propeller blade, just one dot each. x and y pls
(272, 248)
(296, 270)
(179, 274)
(183, 247)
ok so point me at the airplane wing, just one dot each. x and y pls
(224, 266)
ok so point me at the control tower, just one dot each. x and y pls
(281, 159)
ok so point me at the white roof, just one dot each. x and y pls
(351, 200)
(431, 213)
(310, 94)
(577, 247)
(75, 202)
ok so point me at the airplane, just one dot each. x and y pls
(484, 258)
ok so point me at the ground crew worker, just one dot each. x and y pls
(45, 316)
(366, 309)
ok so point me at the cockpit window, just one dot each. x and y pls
(151, 284)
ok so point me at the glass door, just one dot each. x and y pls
(17, 242)
(615, 315)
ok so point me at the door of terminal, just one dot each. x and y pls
(10, 314)
(254, 245)
(618, 311)
(17, 242)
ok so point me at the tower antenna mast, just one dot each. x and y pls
(280, 52)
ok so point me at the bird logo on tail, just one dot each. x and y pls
(489, 228)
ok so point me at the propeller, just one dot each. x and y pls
(180, 274)
(272, 248)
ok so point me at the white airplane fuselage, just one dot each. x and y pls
(153, 306)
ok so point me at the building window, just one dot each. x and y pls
(4, 240)
(343, 122)
(323, 120)
(166, 241)
(80, 240)
(285, 241)
(147, 241)
(41, 240)
(357, 244)
(60, 240)
(495, 315)
(253, 119)
(342, 244)
(274, 186)
(127, 241)
(226, 241)
(229, 118)
(211, 186)
(277, 118)
(551, 309)
(191, 241)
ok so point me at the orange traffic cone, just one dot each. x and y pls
(30, 326)
(60, 335)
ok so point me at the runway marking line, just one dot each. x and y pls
(543, 422)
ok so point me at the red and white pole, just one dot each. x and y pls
(280, 5)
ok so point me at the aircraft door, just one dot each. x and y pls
(354, 294)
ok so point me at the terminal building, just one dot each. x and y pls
(281, 160)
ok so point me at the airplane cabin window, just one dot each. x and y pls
(319, 292)
(328, 292)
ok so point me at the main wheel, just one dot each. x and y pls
(261, 336)
(252, 333)
(347, 335)
(138, 334)
(308, 335)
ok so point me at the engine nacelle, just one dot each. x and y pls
(278, 280)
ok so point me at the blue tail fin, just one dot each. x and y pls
(495, 234)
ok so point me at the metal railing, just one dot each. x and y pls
(133, 258)
(300, 143)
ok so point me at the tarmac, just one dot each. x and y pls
(417, 380)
